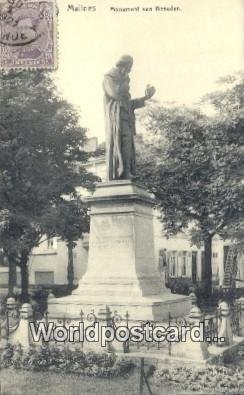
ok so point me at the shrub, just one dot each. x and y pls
(56, 358)
(6, 356)
(211, 378)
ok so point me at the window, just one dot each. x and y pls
(184, 263)
(3, 259)
(215, 255)
(50, 243)
(44, 278)
(184, 269)
(173, 265)
(162, 260)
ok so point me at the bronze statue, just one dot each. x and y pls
(120, 119)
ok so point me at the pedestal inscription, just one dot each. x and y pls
(122, 271)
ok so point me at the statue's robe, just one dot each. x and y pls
(120, 125)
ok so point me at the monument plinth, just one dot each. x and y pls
(122, 271)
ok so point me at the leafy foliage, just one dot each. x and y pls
(213, 379)
(194, 163)
(192, 170)
(41, 158)
(68, 220)
(65, 360)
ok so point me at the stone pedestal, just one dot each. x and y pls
(225, 330)
(122, 271)
(22, 334)
(192, 347)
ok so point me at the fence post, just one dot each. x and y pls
(141, 376)
(105, 315)
(169, 343)
(50, 296)
(194, 346)
(127, 343)
(239, 319)
(11, 307)
(225, 334)
(22, 333)
(193, 298)
(241, 306)
(82, 322)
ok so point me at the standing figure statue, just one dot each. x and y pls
(120, 119)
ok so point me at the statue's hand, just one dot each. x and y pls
(149, 92)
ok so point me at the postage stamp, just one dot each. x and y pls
(28, 34)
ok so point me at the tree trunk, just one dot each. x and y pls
(11, 275)
(207, 279)
(24, 277)
(70, 267)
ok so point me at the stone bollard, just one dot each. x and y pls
(225, 331)
(241, 301)
(22, 334)
(11, 321)
(193, 299)
(11, 304)
(193, 346)
(50, 296)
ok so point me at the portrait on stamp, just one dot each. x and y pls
(28, 34)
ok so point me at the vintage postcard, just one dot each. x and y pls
(121, 197)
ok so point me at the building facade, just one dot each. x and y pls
(175, 256)
(48, 263)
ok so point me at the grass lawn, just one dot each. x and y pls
(18, 382)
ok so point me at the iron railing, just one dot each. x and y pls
(9, 322)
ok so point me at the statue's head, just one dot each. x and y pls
(125, 64)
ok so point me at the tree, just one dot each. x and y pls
(192, 163)
(41, 161)
(69, 221)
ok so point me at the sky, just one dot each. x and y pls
(181, 53)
